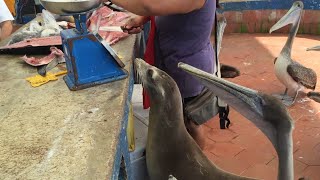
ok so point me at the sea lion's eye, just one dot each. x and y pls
(150, 73)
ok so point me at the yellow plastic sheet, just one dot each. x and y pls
(39, 80)
(130, 130)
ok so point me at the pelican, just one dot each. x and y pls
(265, 111)
(225, 70)
(314, 95)
(315, 48)
(293, 75)
(221, 25)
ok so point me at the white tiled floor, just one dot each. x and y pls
(137, 157)
(137, 94)
(140, 122)
(139, 112)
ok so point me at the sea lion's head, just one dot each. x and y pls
(158, 84)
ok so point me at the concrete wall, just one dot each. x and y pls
(257, 16)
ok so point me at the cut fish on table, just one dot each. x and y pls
(35, 29)
(55, 53)
(108, 18)
(43, 41)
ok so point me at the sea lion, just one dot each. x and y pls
(170, 149)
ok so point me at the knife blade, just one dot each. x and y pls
(105, 44)
(109, 48)
(111, 28)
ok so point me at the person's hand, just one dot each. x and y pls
(134, 24)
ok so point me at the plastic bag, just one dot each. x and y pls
(51, 27)
(35, 27)
(33, 31)
(49, 21)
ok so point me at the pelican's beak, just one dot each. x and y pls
(290, 17)
(256, 107)
(316, 48)
(222, 23)
(246, 101)
(259, 109)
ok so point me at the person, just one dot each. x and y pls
(6, 19)
(183, 30)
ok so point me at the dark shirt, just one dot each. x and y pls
(186, 38)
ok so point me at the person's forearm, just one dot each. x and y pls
(135, 24)
(159, 7)
(6, 29)
(138, 7)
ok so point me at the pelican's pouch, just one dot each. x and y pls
(202, 108)
(206, 105)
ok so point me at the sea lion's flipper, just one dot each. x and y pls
(228, 71)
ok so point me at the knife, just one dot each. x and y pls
(111, 28)
(106, 45)
(109, 48)
(114, 7)
(42, 70)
